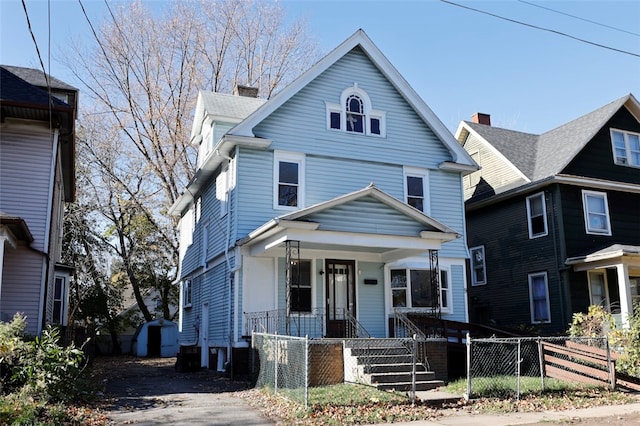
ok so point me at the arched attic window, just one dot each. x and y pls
(354, 114)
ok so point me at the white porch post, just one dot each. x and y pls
(624, 287)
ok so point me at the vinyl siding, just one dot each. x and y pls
(496, 175)
(596, 158)
(457, 294)
(367, 215)
(25, 170)
(409, 140)
(510, 256)
(21, 285)
(447, 207)
(371, 298)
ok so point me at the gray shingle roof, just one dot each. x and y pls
(545, 155)
(231, 106)
(37, 77)
(518, 147)
(14, 88)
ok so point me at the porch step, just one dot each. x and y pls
(385, 359)
(401, 377)
(392, 368)
(378, 351)
(406, 386)
(388, 365)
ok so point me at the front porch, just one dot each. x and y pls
(613, 279)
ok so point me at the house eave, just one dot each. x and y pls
(220, 153)
(465, 169)
(559, 179)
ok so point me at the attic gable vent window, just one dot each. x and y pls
(354, 114)
(626, 148)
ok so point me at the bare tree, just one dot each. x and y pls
(142, 73)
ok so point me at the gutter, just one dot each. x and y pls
(560, 179)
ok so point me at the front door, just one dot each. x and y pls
(341, 295)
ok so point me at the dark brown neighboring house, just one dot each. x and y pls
(37, 177)
(553, 219)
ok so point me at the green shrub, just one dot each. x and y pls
(598, 322)
(629, 340)
(48, 370)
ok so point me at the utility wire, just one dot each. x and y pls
(580, 18)
(542, 28)
(33, 37)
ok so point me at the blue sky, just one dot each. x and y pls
(458, 60)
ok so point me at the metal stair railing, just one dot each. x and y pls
(404, 327)
(354, 328)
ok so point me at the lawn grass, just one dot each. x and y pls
(360, 404)
(506, 386)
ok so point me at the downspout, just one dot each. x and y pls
(47, 234)
(555, 254)
(226, 258)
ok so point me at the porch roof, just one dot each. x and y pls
(606, 257)
(307, 227)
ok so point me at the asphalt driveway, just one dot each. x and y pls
(149, 391)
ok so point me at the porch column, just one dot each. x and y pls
(624, 287)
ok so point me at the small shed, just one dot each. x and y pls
(157, 338)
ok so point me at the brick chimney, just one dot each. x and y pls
(246, 91)
(481, 118)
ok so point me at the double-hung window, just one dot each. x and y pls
(288, 180)
(626, 148)
(416, 188)
(537, 215)
(598, 290)
(478, 267)
(301, 293)
(596, 212)
(413, 288)
(186, 293)
(59, 300)
(539, 298)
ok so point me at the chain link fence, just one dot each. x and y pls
(291, 366)
(510, 367)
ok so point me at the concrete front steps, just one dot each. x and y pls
(387, 365)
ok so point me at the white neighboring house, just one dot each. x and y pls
(37, 176)
(337, 201)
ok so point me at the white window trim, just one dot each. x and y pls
(606, 288)
(531, 305)
(544, 215)
(291, 157)
(625, 134)
(448, 293)
(588, 230)
(421, 173)
(408, 269)
(484, 266)
(186, 302)
(369, 113)
(222, 190)
(64, 298)
(204, 255)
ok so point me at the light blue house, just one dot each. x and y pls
(322, 210)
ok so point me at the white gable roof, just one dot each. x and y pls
(359, 38)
